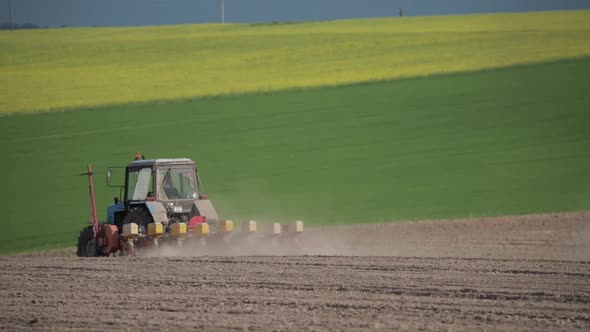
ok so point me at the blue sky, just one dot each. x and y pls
(156, 12)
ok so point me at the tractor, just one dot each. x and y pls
(162, 202)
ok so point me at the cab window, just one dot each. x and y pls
(139, 184)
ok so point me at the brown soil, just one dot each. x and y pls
(508, 273)
(557, 236)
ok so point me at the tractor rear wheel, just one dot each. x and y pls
(86, 243)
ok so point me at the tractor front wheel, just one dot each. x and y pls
(86, 243)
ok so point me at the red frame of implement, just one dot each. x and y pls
(95, 225)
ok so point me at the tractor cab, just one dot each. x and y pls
(170, 186)
(161, 180)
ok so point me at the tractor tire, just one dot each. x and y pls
(86, 244)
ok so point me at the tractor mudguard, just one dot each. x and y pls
(158, 211)
(206, 209)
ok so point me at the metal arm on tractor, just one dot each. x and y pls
(95, 225)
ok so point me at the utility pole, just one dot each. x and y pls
(222, 12)
(10, 13)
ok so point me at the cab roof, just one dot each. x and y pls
(161, 162)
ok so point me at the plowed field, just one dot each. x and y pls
(509, 273)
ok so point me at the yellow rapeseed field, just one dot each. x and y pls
(53, 69)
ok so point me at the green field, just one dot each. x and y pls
(68, 68)
(505, 141)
